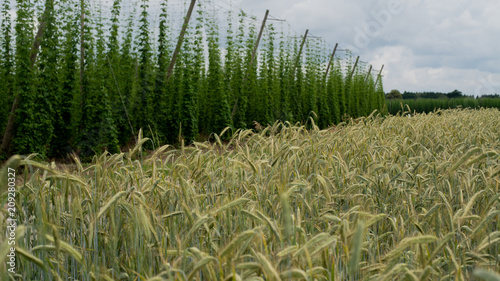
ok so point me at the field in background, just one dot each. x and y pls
(429, 105)
(379, 198)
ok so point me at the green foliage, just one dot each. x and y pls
(379, 92)
(394, 94)
(6, 64)
(219, 114)
(143, 109)
(97, 129)
(47, 103)
(241, 76)
(65, 120)
(357, 94)
(25, 142)
(115, 73)
(126, 75)
(160, 114)
(254, 94)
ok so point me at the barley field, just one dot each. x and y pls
(377, 198)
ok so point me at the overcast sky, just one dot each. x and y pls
(425, 45)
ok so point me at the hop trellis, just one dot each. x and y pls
(112, 73)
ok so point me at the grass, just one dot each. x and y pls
(376, 198)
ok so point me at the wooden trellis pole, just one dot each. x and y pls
(254, 52)
(300, 53)
(354, 68)
(170, 69)
(331, 60)
(379, 75)
(369, 72)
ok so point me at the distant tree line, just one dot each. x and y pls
(395, 94)
(433, 95)
(495, 96)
